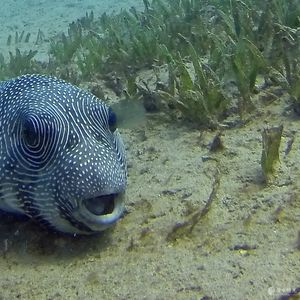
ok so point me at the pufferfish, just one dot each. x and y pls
(62, 161)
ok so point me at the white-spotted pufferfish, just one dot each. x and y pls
(62, 162)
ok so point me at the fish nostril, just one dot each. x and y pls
(101, 205)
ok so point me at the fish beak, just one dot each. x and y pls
(101, 212)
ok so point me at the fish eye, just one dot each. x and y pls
(30, 131)
(112, 119)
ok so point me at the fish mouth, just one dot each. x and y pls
(102, 211)
(101, 205)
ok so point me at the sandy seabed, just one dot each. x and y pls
(51, 17)
(245, 247)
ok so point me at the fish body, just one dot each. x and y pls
(61, 161)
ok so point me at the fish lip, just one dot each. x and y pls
(109, 215)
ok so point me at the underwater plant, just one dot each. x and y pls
(247, 63)
(63, 49)
(195, 88)
(87, 22)
(18, 38)
(3, 67)
(205, 44)
(21, 63)
(287, 66)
